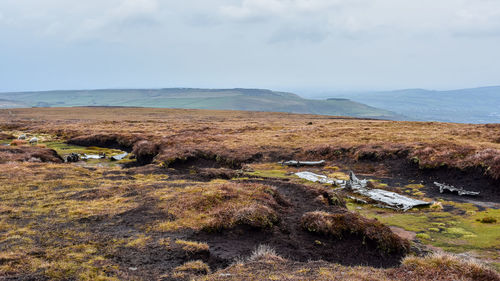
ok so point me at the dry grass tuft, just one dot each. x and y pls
(192, 246)
(339, 225)
(190, 269)
(264, 252)
(444, 267)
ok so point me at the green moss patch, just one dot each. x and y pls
(267, 170)
(459, 230)
(64, 148)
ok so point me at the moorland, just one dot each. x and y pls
(226, 99)
(202, 195)
(475, 105)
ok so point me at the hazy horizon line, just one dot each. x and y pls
(277, 89)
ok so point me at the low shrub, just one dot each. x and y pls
(340, 225)
(255, 216)
(488, 220)
(18, 142)
(216, 205)
(145, 151)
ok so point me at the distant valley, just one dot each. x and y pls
(477, 105)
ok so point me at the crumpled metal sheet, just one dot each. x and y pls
(388, 198)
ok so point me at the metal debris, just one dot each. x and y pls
(451, 188)
(303, 163)
(118, 157)
(93, 156)
(319, 178)
(389, 199)
(361, 201)
(354, 183)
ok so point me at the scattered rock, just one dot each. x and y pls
(73, 157)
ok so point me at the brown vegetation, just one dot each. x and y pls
(192, 246)
(28, 154)
(191, 269)
(68, 222)
(145, 151)
(122, 141)
(18, 143)
(216, 206)
(443, 267)
(4, 136)
(440, 267)
(488, 220)
(231, 138)
(347, 223)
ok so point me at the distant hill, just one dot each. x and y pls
(12, 104)
(230, 99)
(477, 105)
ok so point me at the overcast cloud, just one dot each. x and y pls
(299, 45)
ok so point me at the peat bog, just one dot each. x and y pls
(201, 195)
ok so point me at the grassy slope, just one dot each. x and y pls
(231, 99)
(478, 105)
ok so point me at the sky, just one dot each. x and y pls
(306, 46)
